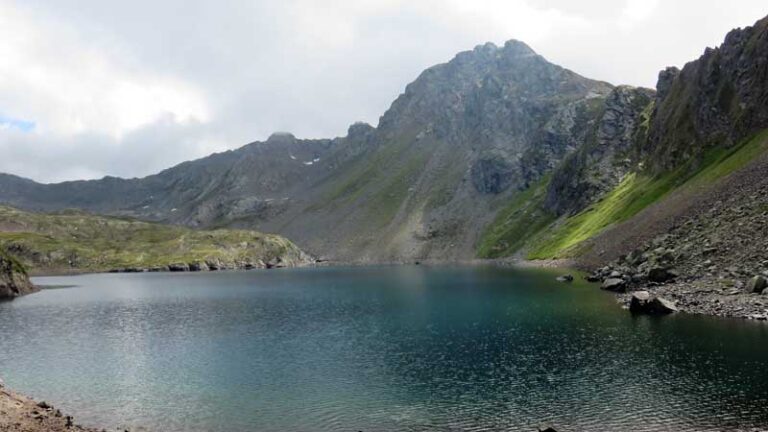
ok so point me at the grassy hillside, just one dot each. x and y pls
(523, 223)
(516, 223)
(83, 242)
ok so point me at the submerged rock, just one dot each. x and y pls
(565, 278)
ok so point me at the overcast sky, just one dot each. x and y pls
(94, 87)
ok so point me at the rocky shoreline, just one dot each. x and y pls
(213, 265)
(654, 273)
(19, 413)
(711, 260)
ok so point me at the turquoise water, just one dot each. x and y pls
(407, 348)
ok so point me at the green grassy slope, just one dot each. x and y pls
(516, 223)
(16, 265)
(80, 241)
(517, 228)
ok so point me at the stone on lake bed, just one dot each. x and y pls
(565, 278)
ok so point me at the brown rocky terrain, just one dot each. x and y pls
(706, 246)
(19, 413)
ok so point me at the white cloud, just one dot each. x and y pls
(69, 84)
(638, 10)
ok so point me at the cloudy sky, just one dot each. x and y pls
(94, 87)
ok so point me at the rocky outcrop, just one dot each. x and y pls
(80, 242)
(606, 156)
(14, 281)
(717, 100)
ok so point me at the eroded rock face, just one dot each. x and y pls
(492, 176)
(14, 281)
(718, 99)
(606, 155)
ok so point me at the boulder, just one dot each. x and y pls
(565, 278)
(644, 303)
(546, 428)
(757, 284)
(594, 277)
(614, 284)
(635, 258)
(661, 274)
(639, 301)
(178, 267)
(198, 266)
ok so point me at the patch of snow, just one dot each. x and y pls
(292, 156)
(308, 163)
(145, 207)
(316, 160)
(173, 209)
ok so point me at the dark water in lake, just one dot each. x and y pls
(376, 349)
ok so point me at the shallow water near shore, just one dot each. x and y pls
(400, 348)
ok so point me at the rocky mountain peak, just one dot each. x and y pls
(359, 130)
(503, 86)
(281, 137)
(716, 100)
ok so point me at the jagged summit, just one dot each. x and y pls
(511, 48)
(281, 136)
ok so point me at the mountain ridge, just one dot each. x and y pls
(452, 122)
(442, 174)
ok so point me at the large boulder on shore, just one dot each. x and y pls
(644, 303)
(757, 284)
(614, 284)
(661, 274)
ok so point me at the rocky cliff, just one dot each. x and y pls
(715, 101)
(14, 281)
(607, 154)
